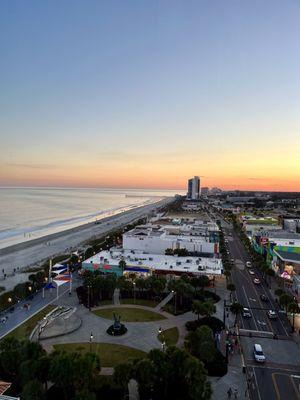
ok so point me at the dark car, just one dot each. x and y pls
(263, 297)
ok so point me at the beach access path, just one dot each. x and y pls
(32, 253)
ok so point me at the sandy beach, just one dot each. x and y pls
(31, 253)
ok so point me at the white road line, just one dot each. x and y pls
(259, 396)
(249, 306)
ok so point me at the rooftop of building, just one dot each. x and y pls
(288, 256)
(134, 258)
(283, 234)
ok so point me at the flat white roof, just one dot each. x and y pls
(134, 258)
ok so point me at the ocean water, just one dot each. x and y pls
(29, 213)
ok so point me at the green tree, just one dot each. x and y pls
(236, 308)
(231, 288)
(197, 308)
(293, 308)
(201, 343)
(284, 300)
(122, 265)
(85, 394)
(33, 390)
(122, 374)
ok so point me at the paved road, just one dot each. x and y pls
(279, 377)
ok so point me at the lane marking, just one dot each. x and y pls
(276, 386)
(258, 392)
(249, 306)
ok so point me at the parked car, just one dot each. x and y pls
(246, 313)
(272, 314)
(258, 353)
(256, 281)
(248, 264)
(263, 297)
(251, 272)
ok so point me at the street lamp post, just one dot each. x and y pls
(133, 292)
(163, 343)
(89, 302)
(175, 302)
(91, 340)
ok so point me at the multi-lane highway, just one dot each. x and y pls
(279, 377)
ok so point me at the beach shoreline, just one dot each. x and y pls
(19, 257)
(50, 236)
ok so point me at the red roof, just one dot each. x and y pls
(4, 386)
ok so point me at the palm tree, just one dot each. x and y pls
(293, 309)
(231, 288)
(236, 308)
(122, 265)
(197, 308)
(284, 300)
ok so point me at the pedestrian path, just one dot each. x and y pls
(164, 301)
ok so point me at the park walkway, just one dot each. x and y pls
(164, 301)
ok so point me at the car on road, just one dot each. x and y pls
(263, 297)
(246, 313)
(248, 264)
(272, 314)
(251, 272)
(258, 353)
(232, 260)
(256, 281)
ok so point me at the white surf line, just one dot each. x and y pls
(249, 307)
(32, 315)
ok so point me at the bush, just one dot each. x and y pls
(218, 366)
(214, 323)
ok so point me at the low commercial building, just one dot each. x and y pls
(202, 239)
(108, 261)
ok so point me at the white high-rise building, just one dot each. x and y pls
(193, 188)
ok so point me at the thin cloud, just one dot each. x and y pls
(32, 166)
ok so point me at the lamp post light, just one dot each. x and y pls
(175, 301)
(89, 301)
(133, 292)
(91, 340)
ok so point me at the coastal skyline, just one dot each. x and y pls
(144, 95)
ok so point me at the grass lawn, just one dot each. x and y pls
(105, 303)
(129, 314)
(110, 354)
(140, 302)
(23, 331)
(170, 336)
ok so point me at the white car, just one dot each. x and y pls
(256, 281)
(272, 314)
(246, 313)
(248, 264)
(251, 272)
(258, 353)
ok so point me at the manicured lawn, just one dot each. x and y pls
(129, 314)
(23, 331)
(170, 336)
(110, 354)
(105, 303)
(140, 302)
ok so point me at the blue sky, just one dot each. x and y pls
(146, 93)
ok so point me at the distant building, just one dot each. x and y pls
(204, 191)
(193, 192)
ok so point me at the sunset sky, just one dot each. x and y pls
(148, 93)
